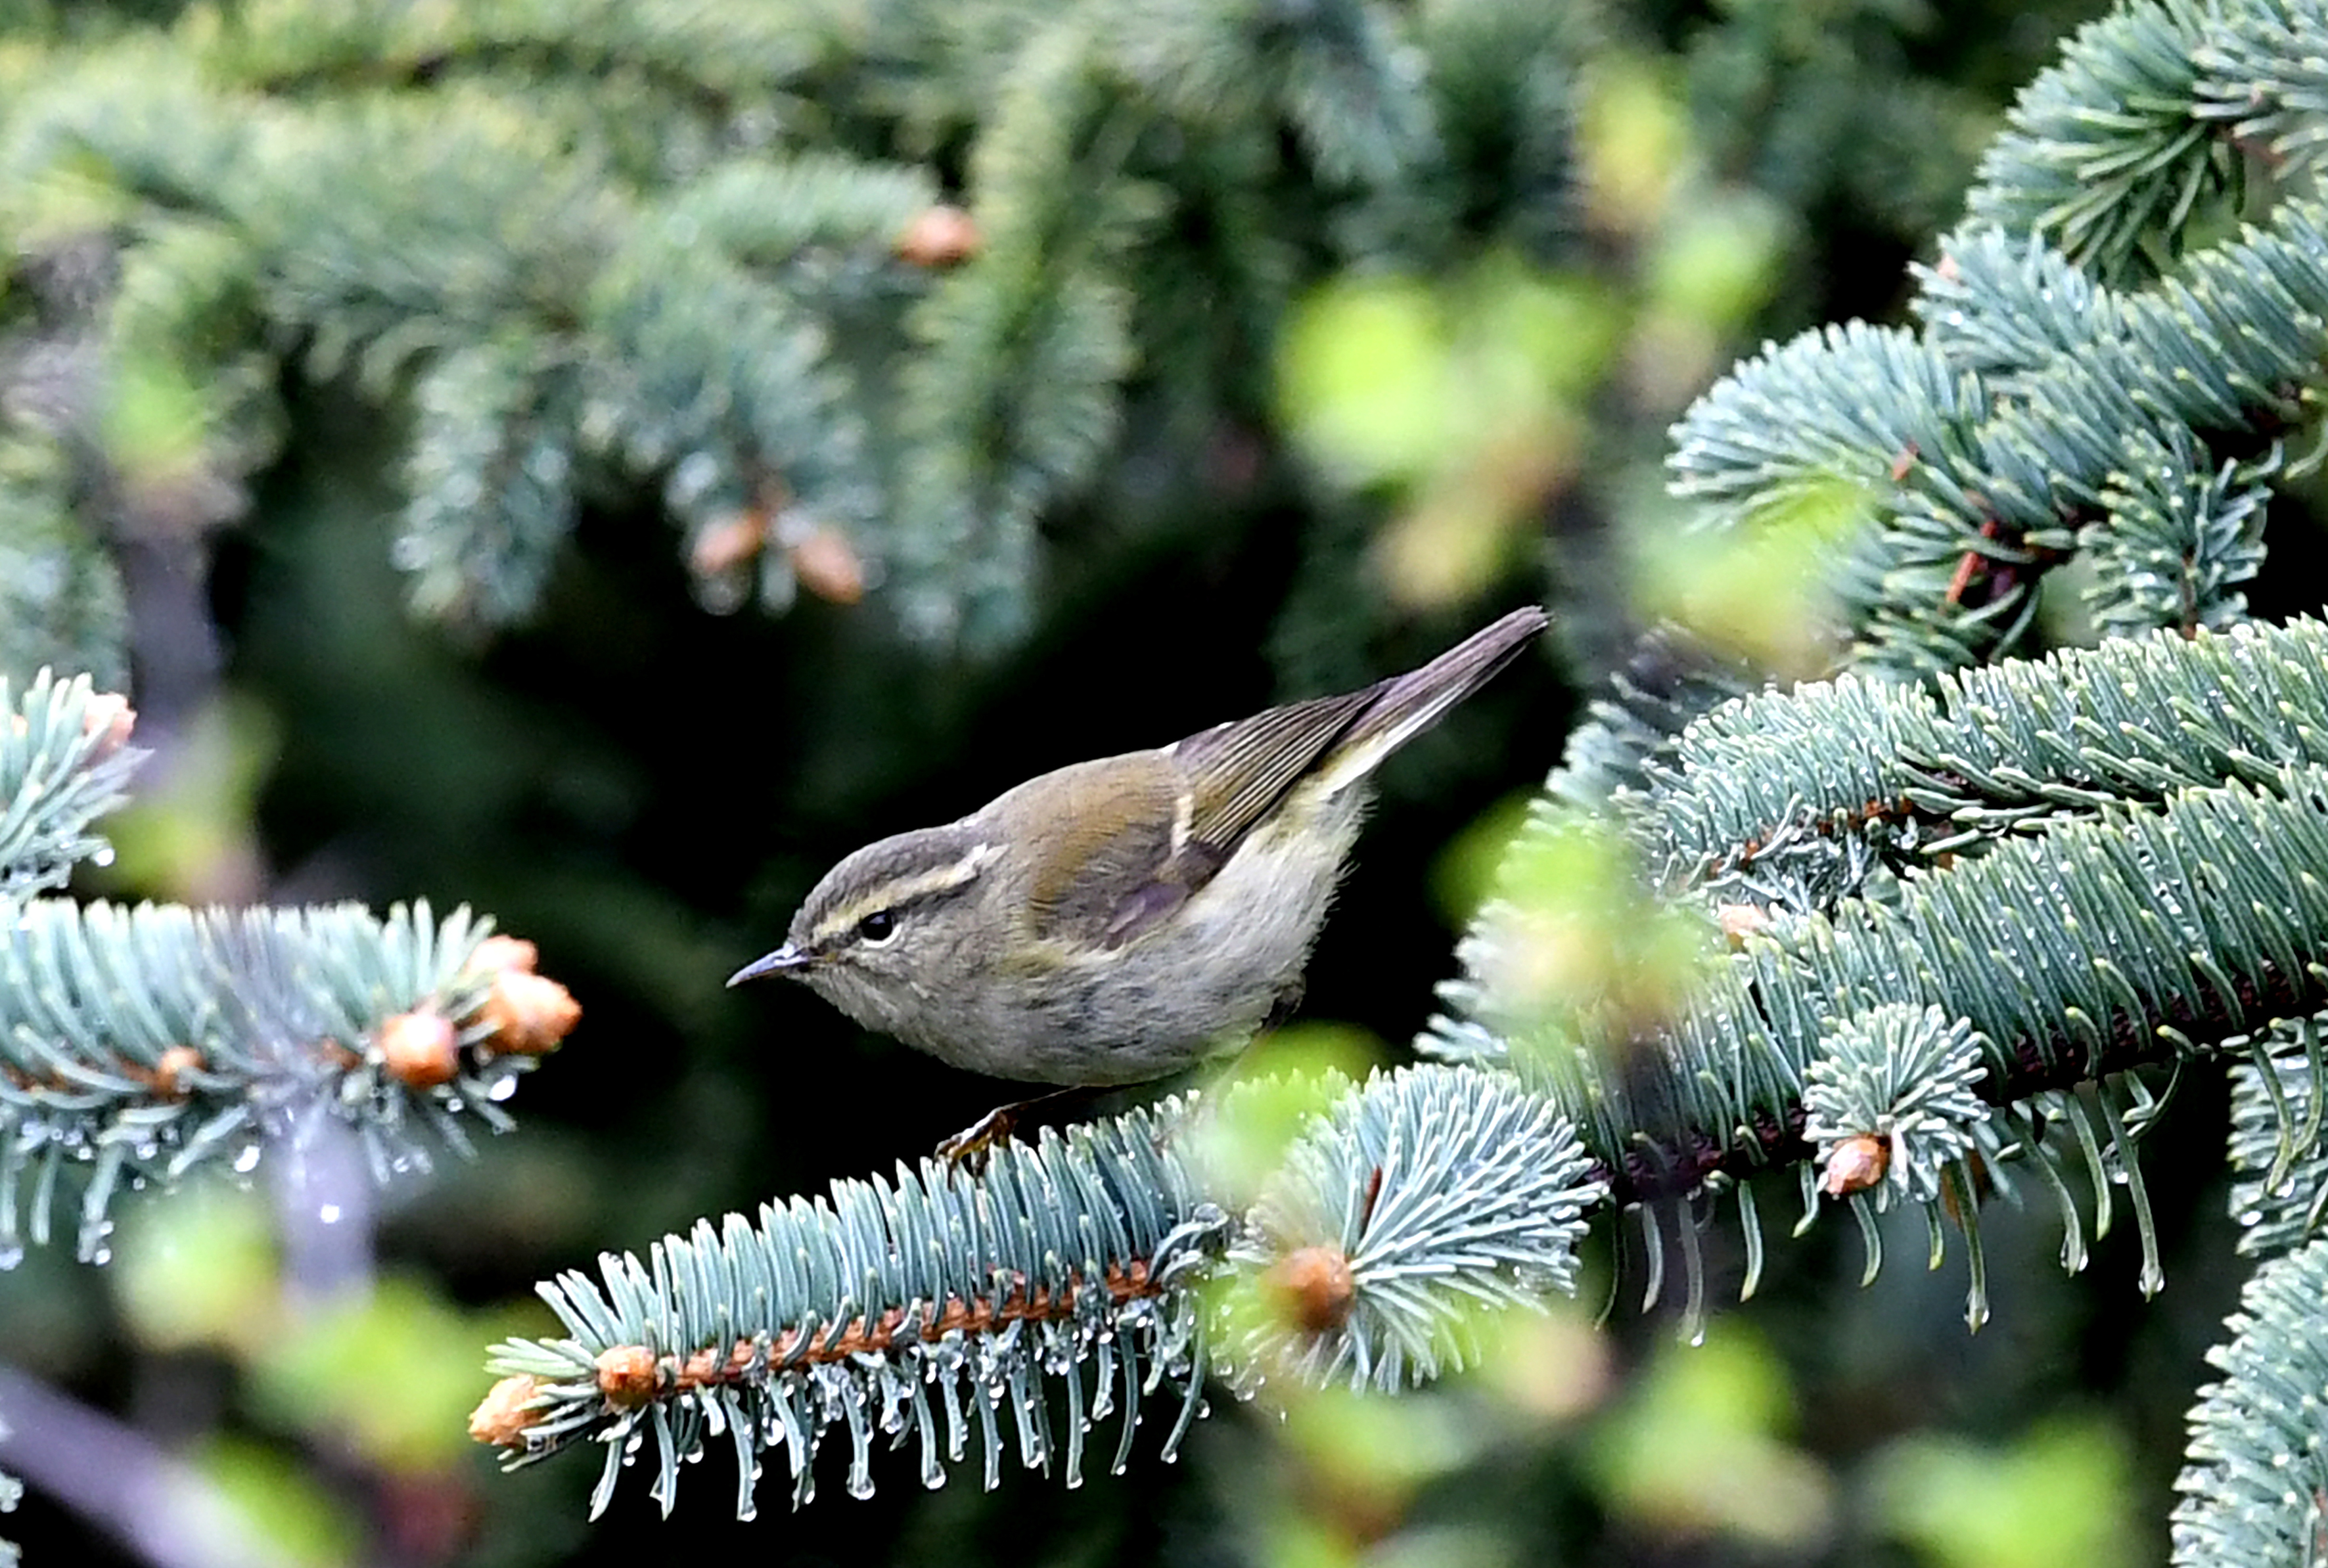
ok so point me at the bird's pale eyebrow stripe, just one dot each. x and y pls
(943, 879)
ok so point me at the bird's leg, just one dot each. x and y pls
(971, 1146)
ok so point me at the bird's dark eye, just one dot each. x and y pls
(878, 927)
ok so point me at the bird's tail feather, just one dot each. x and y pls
(1405, 706)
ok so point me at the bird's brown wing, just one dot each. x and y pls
(1240, 771)
(1133, 838)
(1237, 772)
(1106, 869)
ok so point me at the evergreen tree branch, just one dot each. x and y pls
(137, 1045)
(2132, 930)
(1905, 1078)
(1975, 496)
(2041, 974)
(2278, 1154)
(490, 476)
(2255, 1478)
(1973, 489)
(64, 761)
(1015, 388)
(1993, 1010)
(1503, 106)
(1396, 1214)
(1796, 798)
(844, 1310)
(585, 246)
(2142, 129)
(2106, 153)
(2078, 954)
(717, 59)
(2262, 72)
(1399, 1218)
(1960, 922)
(2178, 532)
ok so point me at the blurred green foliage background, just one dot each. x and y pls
(645, 788)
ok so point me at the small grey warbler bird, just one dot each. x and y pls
(1117, 920)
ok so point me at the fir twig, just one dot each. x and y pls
(2255, 1488)
(64, 760)
(137, 1045)
(1397, 1215)
(1792, 799)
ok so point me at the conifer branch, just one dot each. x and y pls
(1396, 1214)
(1015, 387)
(2144, 127)
(1794, 799)
(2255, 1486)
(2262, 71)
(137, 1045)
(1992, 1009)
(2137, 929)
(1954, 926)
(1904, 1081)
(1973, 496)
(717, 57)
(847, 1309)
(2000, 443)
(2279, 1151)
(64, 761)
(588, 246)
(2110, 942)
(2106, 153)
(2001, 306)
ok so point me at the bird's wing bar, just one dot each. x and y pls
(1237, 771)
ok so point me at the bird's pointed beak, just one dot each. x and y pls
(784, 960)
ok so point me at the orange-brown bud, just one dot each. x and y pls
(530, 1013)
(627, 1376)
(1313, 1288)
(171, 1068)
(729, 542)
(495, 954)
(419, 1048)
(940, 235)
(1857, 1164)
(501, 1418)
(110, 718)
(827, 565)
